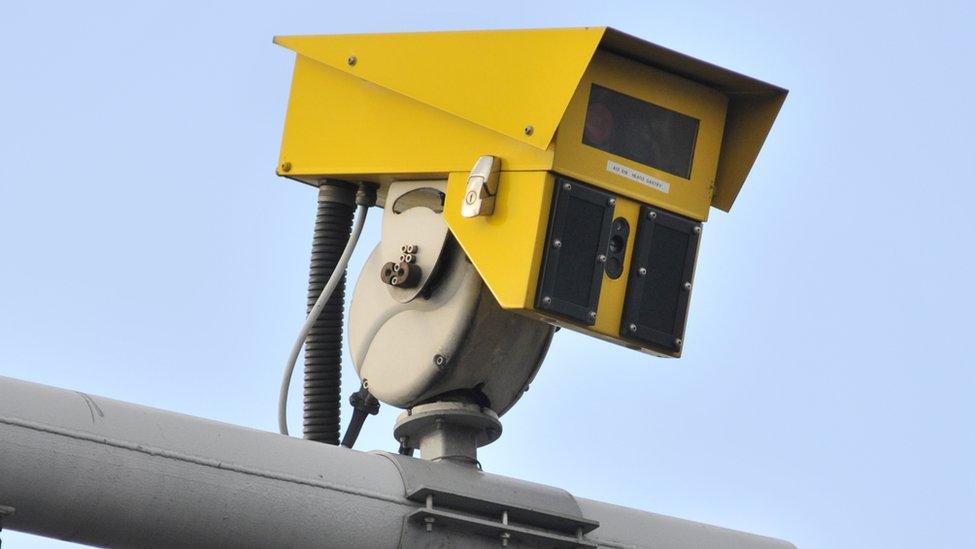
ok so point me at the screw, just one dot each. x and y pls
(592, 315)
(651, 215)
(286, 166)
(687, 286)
(567, 187)
(612, 201)
(557, 243)
(547, 300)
(529, 130)
(632, 327)
(697, 229)
(601, 258)
(351, 60)
(439, 360)
(642, 271)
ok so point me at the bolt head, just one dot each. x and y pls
(286, 166)
(351, 60)
(529, 130)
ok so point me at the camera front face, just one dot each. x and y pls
(645, 134)
(634, 170)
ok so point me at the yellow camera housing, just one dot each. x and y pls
(580, 119)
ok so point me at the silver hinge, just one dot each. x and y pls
(479, 196)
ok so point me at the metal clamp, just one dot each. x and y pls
(428, 516)
(474, 502)
(479, 195)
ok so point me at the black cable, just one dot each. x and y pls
(363, 405)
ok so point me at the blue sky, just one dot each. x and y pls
(148, 253)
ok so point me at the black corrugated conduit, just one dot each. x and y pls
(334, 239)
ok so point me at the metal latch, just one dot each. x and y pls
(479, 196)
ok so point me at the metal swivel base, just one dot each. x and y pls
(448, 430)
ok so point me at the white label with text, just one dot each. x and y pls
(637, 176)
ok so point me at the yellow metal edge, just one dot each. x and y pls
(393, 136)
(505, 247)
(536, 71)
(747, 124)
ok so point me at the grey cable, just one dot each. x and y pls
(313, 315)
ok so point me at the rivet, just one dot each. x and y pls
(677, 343)
(529, 130)
(286, 166)
(439, 360)
(351, 60)
(687, 286)
(632, 327)
(567, 187)
(547, 300)
(651, 215)
(601, 258)
(592, 315)
(697, 229)
(557, 243)
(612, 201)
(642, 271)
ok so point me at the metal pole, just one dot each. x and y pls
(103, 472)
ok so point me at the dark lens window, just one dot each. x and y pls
(640, 131)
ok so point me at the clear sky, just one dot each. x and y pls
(148, 253)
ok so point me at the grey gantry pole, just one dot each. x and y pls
(102, 472)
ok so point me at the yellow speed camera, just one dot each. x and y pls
(580, 163)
